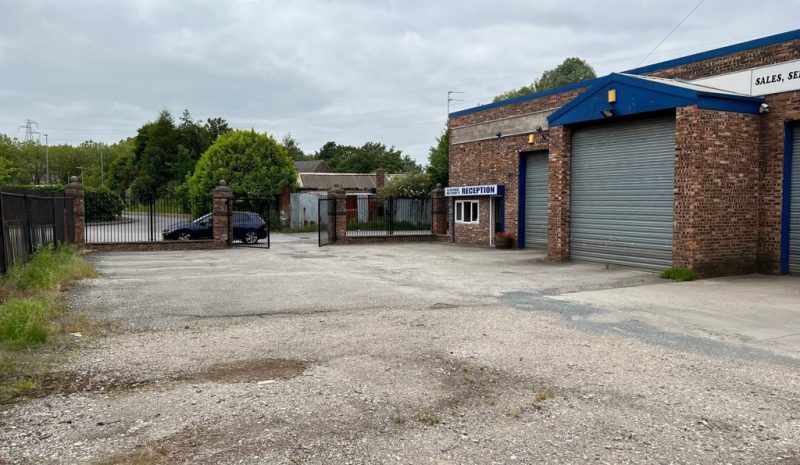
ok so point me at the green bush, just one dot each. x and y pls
(23, 322)
(102, 205)
(678, 273)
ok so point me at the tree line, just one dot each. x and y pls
(188, 156)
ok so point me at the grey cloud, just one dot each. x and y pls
(349, 71)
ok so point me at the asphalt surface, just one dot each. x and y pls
(133, 227)
(414, 353)
(296, 276)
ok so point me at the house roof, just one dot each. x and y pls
(640, 94)
(312, 166)
(326, 181)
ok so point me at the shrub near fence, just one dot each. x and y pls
(102, 205)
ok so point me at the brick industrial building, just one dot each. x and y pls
(687, 162)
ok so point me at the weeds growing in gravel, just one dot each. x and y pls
(31, 311)
(678, 273)
(30, 300)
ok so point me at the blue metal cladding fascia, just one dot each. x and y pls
(786, 204)
(636, 95)
(718, 52)
(712, 102)
(521, 201)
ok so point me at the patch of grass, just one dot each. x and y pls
(399, 419)
(516, 413)
(543, 395)
(678, 273)
(49, 268)
(24, 322)
(427, 417)
(30, 295)
(16, 379)
(31, 311)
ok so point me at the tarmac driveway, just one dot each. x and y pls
(417, 353)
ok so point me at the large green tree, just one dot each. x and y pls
(365, 159)
(294, 150)
(571, 70)
(251, 163)
(439, 160)
(166, 152)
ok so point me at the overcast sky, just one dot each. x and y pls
(347, 71)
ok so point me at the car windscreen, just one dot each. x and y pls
(204, 219)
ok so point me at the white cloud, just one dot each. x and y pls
(347, 70)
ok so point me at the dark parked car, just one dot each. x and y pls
(248, 227)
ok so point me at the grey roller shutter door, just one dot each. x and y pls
(794, 203)
(536, 200)
(622, 185)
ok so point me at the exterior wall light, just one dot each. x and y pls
(540, 133)
(607, 113)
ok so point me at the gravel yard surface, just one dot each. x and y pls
(411, 353)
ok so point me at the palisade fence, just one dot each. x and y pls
(31, 221)
(371, 216)
(132, 219)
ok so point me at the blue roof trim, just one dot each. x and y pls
(525, 98)
(718, 52)
(640, 95)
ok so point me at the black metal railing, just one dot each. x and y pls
(252, 219)
(387, 216)
(31, 221)
(114, 219)
(326, 213)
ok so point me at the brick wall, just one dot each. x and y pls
(783, 107)
(723, 142)
(764, 56)
(716, 191)
(558, 193)
(517, 109)
(494, 161)
(475, 234)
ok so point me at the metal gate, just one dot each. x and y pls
(622, 185)
(794, 205)
(29, 221)
(250, 221)
(326, 231)
(536, 199)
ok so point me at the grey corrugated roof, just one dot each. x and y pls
(312, 166)
(326, 181)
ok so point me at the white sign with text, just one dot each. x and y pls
(773, 79)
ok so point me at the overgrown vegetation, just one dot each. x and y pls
(678, 273)
(31, 311)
